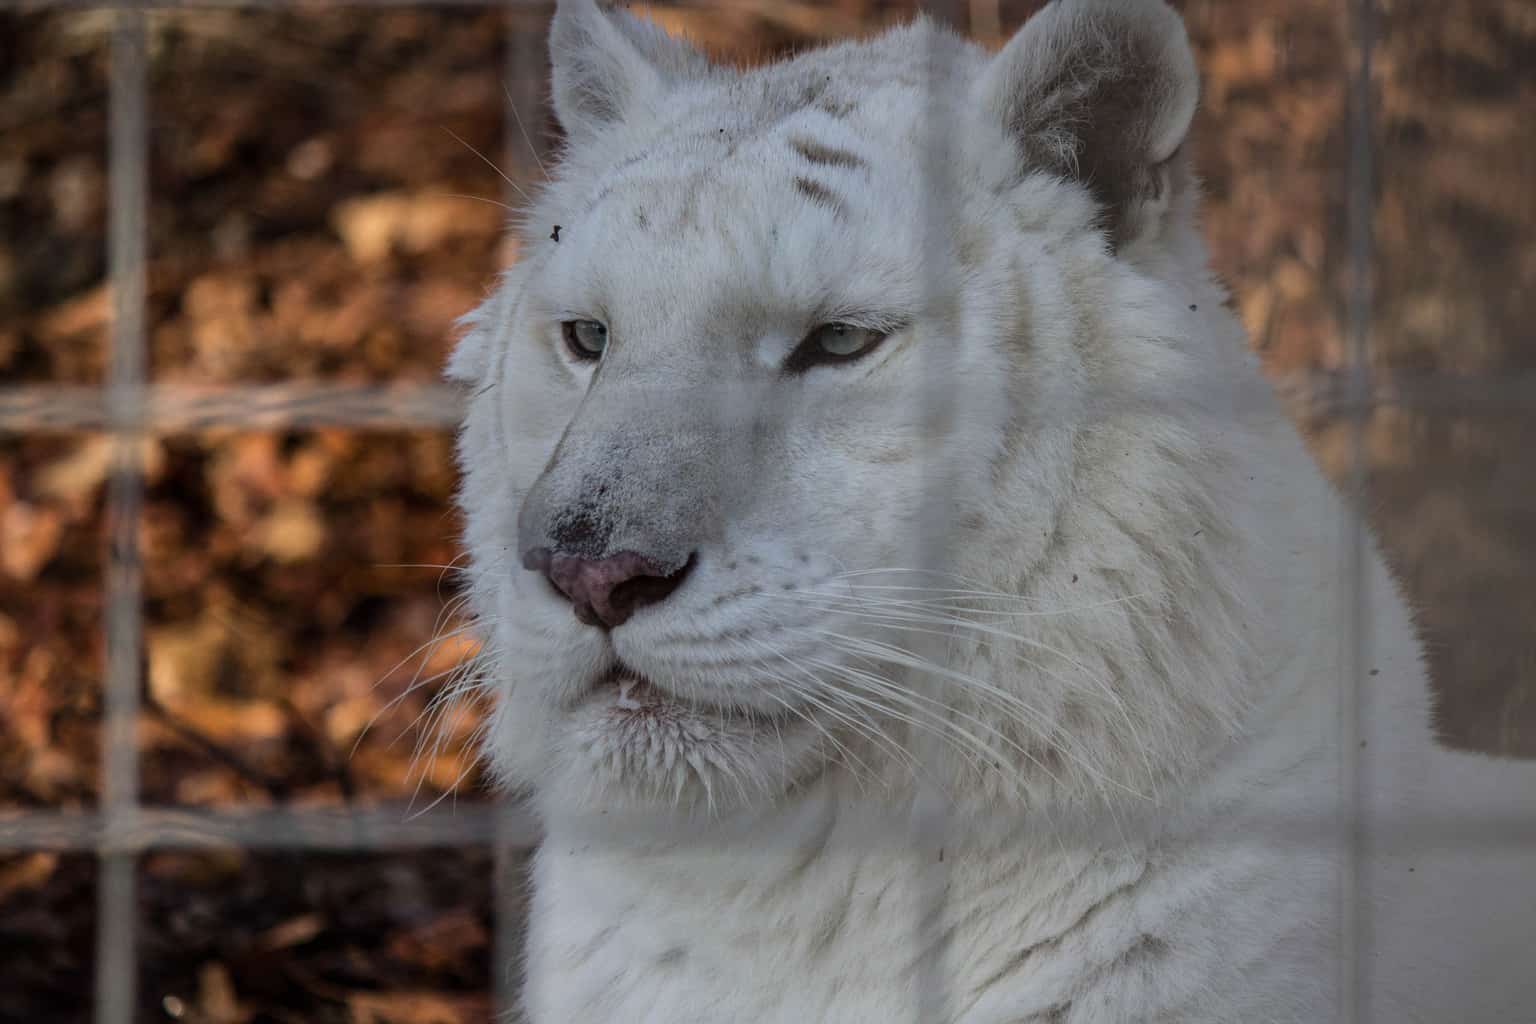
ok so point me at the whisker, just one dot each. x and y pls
(434, 732)
(831, 600)
(1103, 686)
(416, 682)
(938, 727)
(489, 163)
(478, 199)
(897, 619)
(452, 700)
(818, 694)
(802, 693)
(518, 118)
(907, 659)
(957, 577)
(435, 707)
(979, 746)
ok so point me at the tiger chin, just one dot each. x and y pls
(903, 596)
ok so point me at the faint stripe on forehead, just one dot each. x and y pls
(830, 156)
(655, 181)
(836, 108)
(819, 194)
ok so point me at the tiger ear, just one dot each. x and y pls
(1101, 92)
(609, 65)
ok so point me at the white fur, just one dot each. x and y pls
(1007, 683)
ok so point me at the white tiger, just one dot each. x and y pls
(903, 596)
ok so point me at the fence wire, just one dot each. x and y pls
(116, 963)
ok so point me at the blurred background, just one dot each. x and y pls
(326, 193)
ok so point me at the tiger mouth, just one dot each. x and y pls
(629, 694)
(630, 691)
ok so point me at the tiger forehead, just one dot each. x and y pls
(674, 180)
(811, 116)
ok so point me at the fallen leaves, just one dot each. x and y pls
(29, 537)
(372, 227)
(417, 1008)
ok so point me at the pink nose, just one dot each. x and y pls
(606, 591)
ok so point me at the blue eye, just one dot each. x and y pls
(834, 343)
(586, 339)
(844, 341)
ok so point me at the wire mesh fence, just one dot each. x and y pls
(129, 408)
(1344, 395)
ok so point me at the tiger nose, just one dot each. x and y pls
(607, 591)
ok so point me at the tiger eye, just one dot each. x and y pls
(586, 339)
(834, 343)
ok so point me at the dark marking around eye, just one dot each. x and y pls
(831, 156)
(819, 194)
(554, 236)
